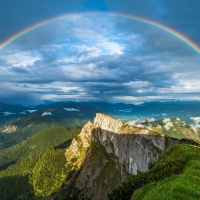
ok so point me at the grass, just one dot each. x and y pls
(183, 186)
(176, 175)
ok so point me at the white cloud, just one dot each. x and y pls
(127, 110)
(72, 109)
(20, 59)
(99, 57)
(196, 120)
(8, 113)
(31, 111)
(168, 123)
(46, 113)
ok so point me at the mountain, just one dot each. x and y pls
(21, 128)
(12, 108)
(107, 160)
(157, 109)
(26, 122)
(105, 153)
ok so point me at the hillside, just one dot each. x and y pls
(172, 127)
(174, 176)
(50, 137)
(20, 128)
(43, 173)
(184, 185)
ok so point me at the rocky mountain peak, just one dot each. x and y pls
(107, 123)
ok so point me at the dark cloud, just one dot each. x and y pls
(17, 15)
(181, 15)
(16, 97)
(184, 17)
(19, 70)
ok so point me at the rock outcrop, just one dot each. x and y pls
(9, 129)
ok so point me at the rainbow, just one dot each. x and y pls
(169, 30)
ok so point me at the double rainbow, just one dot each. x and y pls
(171, 31)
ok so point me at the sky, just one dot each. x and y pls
(91, 51)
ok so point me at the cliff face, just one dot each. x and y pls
(105, 151)
(134, 147)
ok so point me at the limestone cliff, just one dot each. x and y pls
(134, 147)
(105, 151)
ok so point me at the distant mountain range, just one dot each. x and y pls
(184, 110)
(19, 127)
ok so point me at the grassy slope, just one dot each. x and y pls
(50, 137)
(182, 186)
(39, 171)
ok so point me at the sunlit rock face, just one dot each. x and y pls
(134, 147)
